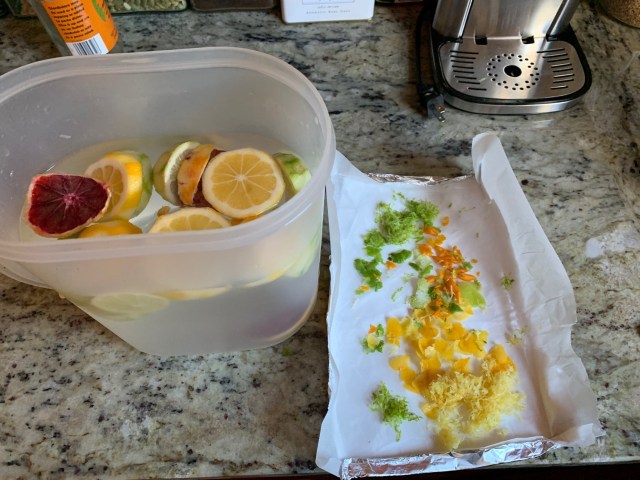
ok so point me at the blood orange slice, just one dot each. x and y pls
(60, 205)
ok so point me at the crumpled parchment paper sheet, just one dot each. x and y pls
(491, 221)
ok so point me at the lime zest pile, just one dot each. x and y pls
(467, 387)
(393, 408)
(395, 227)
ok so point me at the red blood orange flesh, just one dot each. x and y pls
(60, 205)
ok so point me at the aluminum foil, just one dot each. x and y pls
(456, 460)
(387, 177)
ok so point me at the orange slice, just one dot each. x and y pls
(191, 170)
(243, 183)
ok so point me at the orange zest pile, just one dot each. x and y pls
(467, 387)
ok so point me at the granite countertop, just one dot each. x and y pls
(77, 402)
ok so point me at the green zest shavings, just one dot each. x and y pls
(368, 270)
(394, 227)
(507, 282)
(399, 226)
(394, 409)
(400, 256)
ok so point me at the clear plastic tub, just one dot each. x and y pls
(249, 286)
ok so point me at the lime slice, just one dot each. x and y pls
(128, 306)
(189, 218)
(128, 175)
(296, 173)
(110, 228)
(165, 171)
(199, 294)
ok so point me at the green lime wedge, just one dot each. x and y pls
(296, 173)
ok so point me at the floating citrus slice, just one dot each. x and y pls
(127, 306)
(165, 171)
(190, 172)
(128, 174)
(198, 294)
(189, 218)
(272, 277)
(296, 173)
(60, 205)
(110, 228)
(304, 262)
(243, 183)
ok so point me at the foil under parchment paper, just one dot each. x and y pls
(387, 177)
(457, 460)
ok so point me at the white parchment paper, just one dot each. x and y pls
(491, 221)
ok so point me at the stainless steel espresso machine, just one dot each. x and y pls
(506, 56)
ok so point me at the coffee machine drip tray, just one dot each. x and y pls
(510, 76)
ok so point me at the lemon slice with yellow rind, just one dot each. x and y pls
(128, 175)
(189, 218)
(243, 183)
(110, 228)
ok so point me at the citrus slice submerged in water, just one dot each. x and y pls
(165, 171)
(243, 183)
(109, 229)
(128, 306)
(190, 172)
(128, 174)
(189, 218)
(59, 205)
(296, 173)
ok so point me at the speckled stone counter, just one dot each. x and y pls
(77, 402)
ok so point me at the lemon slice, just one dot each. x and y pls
(243, 183)
(190, 171)
(128, 175)
(127, 306)
(296, 173)
(110, 228)
(165, 171)
(189, 218)
(199, 294)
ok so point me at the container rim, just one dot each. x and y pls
(158, 61)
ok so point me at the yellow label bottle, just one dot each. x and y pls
(78, 27)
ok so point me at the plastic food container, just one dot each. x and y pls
(248, 286)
